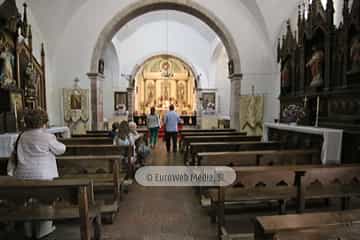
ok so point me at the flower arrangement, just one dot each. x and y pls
(293, 113)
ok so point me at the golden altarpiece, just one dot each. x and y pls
(22, 77)
(162, 81)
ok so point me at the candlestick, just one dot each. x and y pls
(317, 111)
(305, 101)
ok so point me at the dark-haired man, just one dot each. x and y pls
(171, 122)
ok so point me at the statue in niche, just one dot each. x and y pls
(7, 65)
(285, 83)
(31, 80)
(231, 67)
(151, 92)
(181, 93)
(101, 66)
(315, 65)
(355, 54)
(166, 90)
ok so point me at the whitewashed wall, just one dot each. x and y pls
(71, 28)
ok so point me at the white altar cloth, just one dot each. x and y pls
(7, 140)
(332, 139)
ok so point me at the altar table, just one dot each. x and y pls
(7, 140)
(332, 139)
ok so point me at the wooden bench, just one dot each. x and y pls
(86, 140)
(265, 177)
(96, 132)
(187, 130)
(342, 232)
(209, 134)
(262, 185)
(85, 150)
(259, 157)
(92, 135)
(267, 227)
(341, 182)
(195, 148)
(105, 173)
(218, 138)
(64, 199)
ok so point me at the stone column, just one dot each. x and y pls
(235, 100)
(131, 103)
(97, 104)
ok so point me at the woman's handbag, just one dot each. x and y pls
(13, 159)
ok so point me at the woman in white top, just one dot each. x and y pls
(36, 152)
(153, 124)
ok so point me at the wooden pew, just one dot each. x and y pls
(218, 138)
(209, 134)
(65, 199)
(267, 227)
(259, 157)
(195, 148)
(251, 184)
(86, 140)
(105, 173)
(86, 150)
(265, 177)
(343, 232)
(341, 182)
(92, 135)
(186, 130)
(96, 132)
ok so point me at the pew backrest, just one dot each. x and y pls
(86, 140)
(260, 157)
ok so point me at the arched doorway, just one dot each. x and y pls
(190, 7)
(163, 80)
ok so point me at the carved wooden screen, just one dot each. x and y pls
(31, 78)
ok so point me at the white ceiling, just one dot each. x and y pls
(54, 15)
(167, 17)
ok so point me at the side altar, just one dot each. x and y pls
(327, 139)
(320, 71)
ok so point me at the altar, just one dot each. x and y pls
(331, 139)
(7, 140)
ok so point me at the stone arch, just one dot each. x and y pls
(142, 7)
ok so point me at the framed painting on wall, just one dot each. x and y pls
(209, 100)
(120, 98)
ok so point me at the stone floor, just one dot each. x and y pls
(164, 213)
(159, 213)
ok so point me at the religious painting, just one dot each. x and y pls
(208, 101)
(120, 98)
(75, 100)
